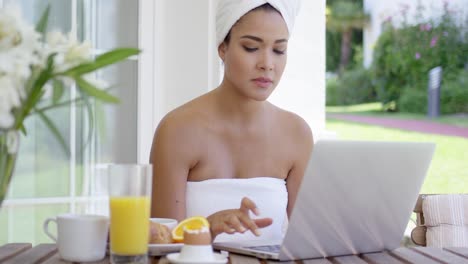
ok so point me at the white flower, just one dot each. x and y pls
(69, 52)
(55, 39)
(10, 35)
(19, 43)
(78, 53)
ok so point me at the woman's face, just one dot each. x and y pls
(255, 57)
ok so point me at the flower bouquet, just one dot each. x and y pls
(36, 67)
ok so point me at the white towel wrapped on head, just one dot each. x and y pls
(229, 11)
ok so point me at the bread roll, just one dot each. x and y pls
(159, 234)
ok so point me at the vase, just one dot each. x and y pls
(9, 142)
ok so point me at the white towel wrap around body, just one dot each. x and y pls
(269, 194)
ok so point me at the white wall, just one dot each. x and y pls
(302, 88)
(382, 10)
(187, 64)
(182, 65)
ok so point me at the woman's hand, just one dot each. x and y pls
(237, 220)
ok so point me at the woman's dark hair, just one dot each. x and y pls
(265, 7)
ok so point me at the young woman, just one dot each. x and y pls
(230, 153)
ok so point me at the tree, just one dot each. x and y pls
(344, 16)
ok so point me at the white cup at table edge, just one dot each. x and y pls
(80, 238)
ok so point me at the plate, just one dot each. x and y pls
(218, 259)
(163, 249)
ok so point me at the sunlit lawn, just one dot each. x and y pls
(448, 172)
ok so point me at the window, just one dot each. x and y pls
(47, 182)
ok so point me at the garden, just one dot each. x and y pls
(402, 58)
(395, 84)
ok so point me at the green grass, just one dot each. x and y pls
(448, 171)
(355, 108)
(375, 109)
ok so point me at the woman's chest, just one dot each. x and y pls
(243, 156)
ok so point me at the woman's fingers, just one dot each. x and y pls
(229, 230)
(249, 224)
(263, 222)
(238, 220)
(222, 227)
(227, 222)
(234, 222)
(248, 205)
(254, 225)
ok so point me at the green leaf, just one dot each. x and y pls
(35, 72)
(23, 129)
(116, 55)
(76, 101)
(54, 131)
(42, 24)
(58, 91)
(36, 92)
(102, 60)
(91, 90)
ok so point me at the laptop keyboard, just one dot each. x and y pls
(269, 248)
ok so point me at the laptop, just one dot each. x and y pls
(355, 197)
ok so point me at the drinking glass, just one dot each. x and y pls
(129, 199)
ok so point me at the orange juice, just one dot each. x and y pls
(129, 225)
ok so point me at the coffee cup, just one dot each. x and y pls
(80, 238)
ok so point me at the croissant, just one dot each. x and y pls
(159, 234)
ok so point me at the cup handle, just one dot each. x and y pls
(46, 228)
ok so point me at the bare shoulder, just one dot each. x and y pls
(298, 128)
(185, 120)
(181, 129)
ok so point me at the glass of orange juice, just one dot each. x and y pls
(129, 199)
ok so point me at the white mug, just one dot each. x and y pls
(80, 238)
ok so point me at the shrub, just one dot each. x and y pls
(353, 87)
(333, 91)
(358, 86)
(454, 94)
(403, 57)
(413, 101)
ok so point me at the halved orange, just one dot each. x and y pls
(191, 223)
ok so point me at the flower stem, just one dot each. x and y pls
(6, 171)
